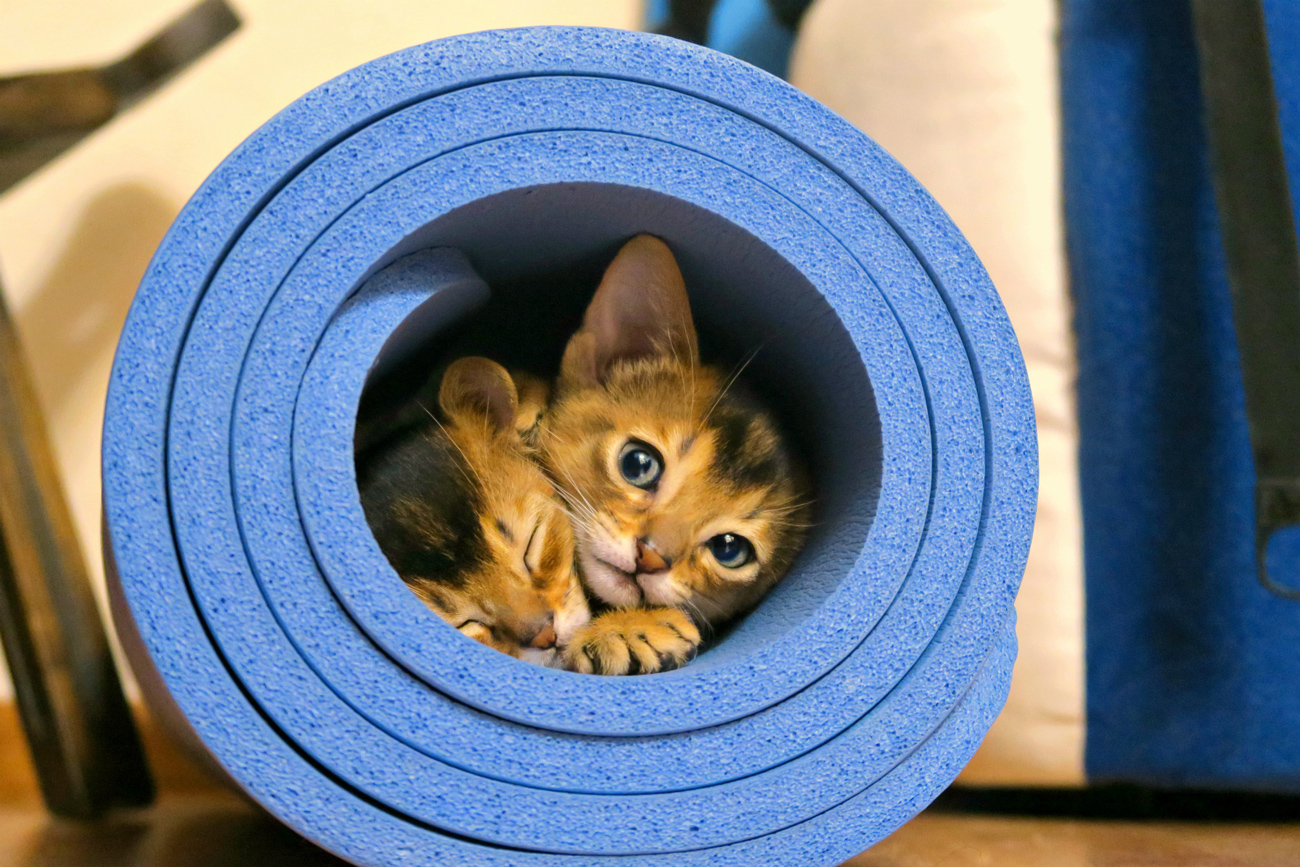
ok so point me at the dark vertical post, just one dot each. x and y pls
(83, 740)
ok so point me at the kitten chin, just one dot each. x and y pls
(548, 658)
(608, 569)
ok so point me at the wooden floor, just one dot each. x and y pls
(950, 840)
(214, 831)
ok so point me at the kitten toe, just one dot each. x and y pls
(576, 658)
(614, 656)
(597, 653)
(634, 662)
(679, 638)
(645, 659)
(664, 660)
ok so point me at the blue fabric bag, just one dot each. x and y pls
(1193, 667)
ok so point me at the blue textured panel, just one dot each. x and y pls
(267, 626)
(1193, 675)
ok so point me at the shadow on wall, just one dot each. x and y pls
(73, 319)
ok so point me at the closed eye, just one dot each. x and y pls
(533, 552)
(472, 622)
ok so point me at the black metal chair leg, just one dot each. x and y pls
(83, 740)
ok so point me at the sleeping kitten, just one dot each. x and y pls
(685, 496)
(469, 521)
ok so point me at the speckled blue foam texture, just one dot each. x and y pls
(264, 622)
(1193, 674)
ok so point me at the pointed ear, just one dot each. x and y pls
(640, 309)
(476, 388)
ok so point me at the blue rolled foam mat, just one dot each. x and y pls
(264, 622)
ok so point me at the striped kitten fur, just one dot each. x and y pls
(688, 506)
(465, 515)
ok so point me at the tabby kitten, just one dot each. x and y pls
(465, 515)
(688, 505)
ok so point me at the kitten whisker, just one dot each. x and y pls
(456, 446)
(558, 484)
(730, 382)
(589, 517)
(577, 489)
(577, 519)
(578, 523)
(778, 513)
(790, 524)
(801, 529)
(791, 506)
(579, 502)
(687, 365)
(704, 624)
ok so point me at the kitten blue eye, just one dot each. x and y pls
(730, 550)
(640, 464)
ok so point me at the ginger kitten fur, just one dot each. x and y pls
(688, 505)
(465, 515)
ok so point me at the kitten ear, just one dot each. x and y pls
(640, 309)
(479, 388)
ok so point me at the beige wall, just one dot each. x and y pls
(76, 237)
(964, 94)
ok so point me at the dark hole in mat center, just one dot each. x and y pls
(542, 251)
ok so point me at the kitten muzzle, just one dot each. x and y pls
(648, 560)
(540, 633)
(544, 639)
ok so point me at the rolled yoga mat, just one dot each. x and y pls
(387, 206)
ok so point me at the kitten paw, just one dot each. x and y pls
(633, 641)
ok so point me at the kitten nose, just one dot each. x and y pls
(648, 560)
(545, 637)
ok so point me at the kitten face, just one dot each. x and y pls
(682, 490)
(677, 501)
(471, 523)
(518, 591)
